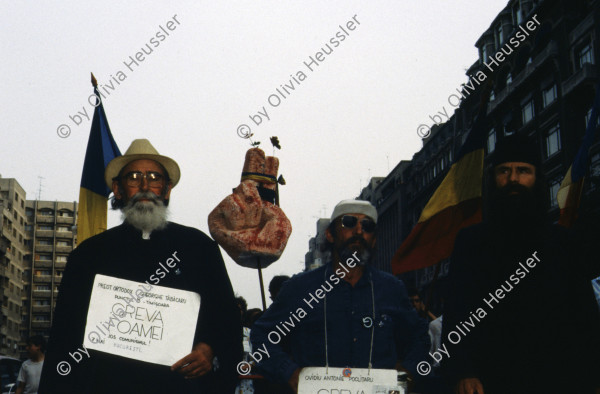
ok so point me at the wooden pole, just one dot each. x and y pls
(262, 285)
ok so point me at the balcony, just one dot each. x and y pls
(42, 278)
(45, 219)
(41, 293)
(586, 73)
(42, 264)
(65, 220)
(41, 308)
(64, 249)
(43, 248)
(40, 324)
(64, 234)
(44, 233)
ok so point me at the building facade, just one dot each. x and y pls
(542, 88)
(51, 236)
(12, 252)
(35, 239)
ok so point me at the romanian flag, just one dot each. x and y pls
(455, 204)
(93, 193)
(569, 193)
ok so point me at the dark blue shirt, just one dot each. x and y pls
(295, 322)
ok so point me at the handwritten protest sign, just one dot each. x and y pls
(149, 323)
(319, 380)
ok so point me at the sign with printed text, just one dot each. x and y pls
(145, 322)
(320, 380)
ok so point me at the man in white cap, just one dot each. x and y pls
(343, 314)
(137, 251)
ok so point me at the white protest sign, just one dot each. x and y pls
(136, 320)
(320, 380)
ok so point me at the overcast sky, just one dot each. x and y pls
(353, 116)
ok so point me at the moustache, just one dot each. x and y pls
(356, 238)
(511, 188)
(145, 196)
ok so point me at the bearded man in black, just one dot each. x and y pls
(520, 315)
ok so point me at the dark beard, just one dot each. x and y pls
(345, 252)
(518, 213)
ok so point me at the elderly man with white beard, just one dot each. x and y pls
(141, 181)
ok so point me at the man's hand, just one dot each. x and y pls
(469, 386)
(293, 382)
(197, 363)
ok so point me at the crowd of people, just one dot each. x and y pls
(519, 315)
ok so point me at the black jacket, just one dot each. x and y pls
(121, 252)
(536, 335)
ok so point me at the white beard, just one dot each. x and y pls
(146, 216)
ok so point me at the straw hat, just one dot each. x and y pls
(141, 149)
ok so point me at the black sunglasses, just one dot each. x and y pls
(368, 225)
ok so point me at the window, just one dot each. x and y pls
(585, 55)
(66, 214)
(28, 227)
(42, 273)
(588, 116)
(42, 287)
(41, 302)
(552, 141)
(549, 95)
(62, 228)
(46, 212)
(61, 259)
(527, 112)
(62, 243)
(554, 186)
(45, 257)
(517, 14)
(45, 242)
(498, 35)
(595, 170)
(45, 227)
(29, 212)
(491, 141)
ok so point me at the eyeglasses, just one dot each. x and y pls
(134, 178)
(368, 226)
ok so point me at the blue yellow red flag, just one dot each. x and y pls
(93, 192)
(455, 204)
(570, 190)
